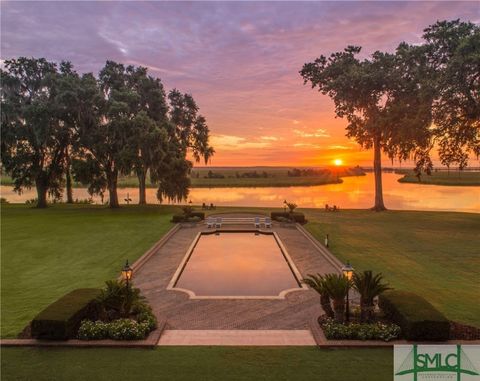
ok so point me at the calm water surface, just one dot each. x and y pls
(237, 264)
(354, 192)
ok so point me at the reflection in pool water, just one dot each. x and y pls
(237, 264)
(354, 192)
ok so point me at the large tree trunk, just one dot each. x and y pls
(112, 189)
(69, 190)
(377, 169)
(142, 192)
(42, 189)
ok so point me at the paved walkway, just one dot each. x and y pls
(183, 313)
(237, 337)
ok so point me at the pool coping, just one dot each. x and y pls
(281, 296)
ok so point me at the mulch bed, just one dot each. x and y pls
(460, 331)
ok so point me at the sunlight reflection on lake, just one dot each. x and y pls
(353, 193)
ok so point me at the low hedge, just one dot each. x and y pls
(359, 331)
(176, 218)
(200, 215)
(120, 329)
(417, 318)
(296, 216)
(61, 319)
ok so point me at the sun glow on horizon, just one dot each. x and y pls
(338, 162)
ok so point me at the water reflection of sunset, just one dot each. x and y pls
(353, 193)
(237, 264)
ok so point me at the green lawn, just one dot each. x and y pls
(454, 178)
(435, 254)
(197, 363)
(46, 253)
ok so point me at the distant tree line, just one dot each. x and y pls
(411, 101)
(307, 172)
(251, 175)
(58, 125)
(213, 175)
(312, 172)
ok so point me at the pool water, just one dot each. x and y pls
(237, 264)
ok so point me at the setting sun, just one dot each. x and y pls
(338, 162)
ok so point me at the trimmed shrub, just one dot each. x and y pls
(61, 319)
(200, 215)
(176, 218)
(195, 216)
(296, 216)
(418, 319)
(359, 331)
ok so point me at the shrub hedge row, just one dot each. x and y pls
(417, 318)
(61, 319)
(193, 216)
(296, 216)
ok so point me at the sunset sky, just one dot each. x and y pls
(240, 61)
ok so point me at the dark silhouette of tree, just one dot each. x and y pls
(104, 136)
(33, 135)
(453, 51)
(385, 99)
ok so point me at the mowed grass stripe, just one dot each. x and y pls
(434, 254)
(46, 253)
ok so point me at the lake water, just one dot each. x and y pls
(353, 193)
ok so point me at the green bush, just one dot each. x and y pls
(200, 215)
(194, 217)
(93, 330)
(145, 315)
(360, 331)
(127, 329)
(120, 329)
(61, 319)
(176, 218)
(296, 216)
(418, 319)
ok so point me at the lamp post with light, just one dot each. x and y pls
(285, 206)
(347, 271)
(127, 273)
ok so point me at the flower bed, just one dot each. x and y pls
(122, 314)
(359, 331)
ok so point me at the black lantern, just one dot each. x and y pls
(347, 271)
(127, 273)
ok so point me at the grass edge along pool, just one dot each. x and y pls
(293, 271)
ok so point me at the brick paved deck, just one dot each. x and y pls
(182, 313)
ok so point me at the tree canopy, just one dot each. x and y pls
(55, 119)
(381, 99)
(453, 52)
(408, 102)
(34, 132)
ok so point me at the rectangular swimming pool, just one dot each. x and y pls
(237, 265)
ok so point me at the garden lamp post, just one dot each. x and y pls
(285, 206)
(127, 273)
(347, 271)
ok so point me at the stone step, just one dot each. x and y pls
(238, 337)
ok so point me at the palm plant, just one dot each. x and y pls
(369, 286)
(291, 206)
(337, 287)
(317, 283)
(117, 298)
